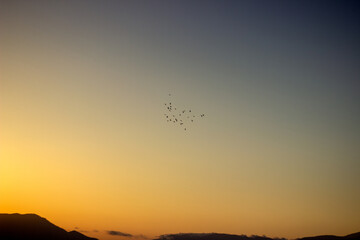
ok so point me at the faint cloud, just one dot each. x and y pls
(117, 233)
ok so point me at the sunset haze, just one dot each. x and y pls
(84, 141)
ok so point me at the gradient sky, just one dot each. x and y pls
(83, 138)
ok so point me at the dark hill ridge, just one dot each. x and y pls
(221, 236)
(31, 226)
(354, 236)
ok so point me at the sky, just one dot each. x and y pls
(85, 144)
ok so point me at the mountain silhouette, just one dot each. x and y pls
(221, 236)
(354, 236)
(31, 226)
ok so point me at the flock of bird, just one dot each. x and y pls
(180, 117)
